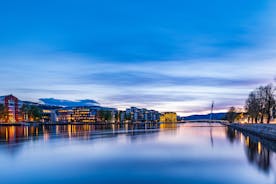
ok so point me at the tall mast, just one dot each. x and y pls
(212, 109)
(211, 131)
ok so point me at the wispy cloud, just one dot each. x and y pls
(142, 78)
(68, 103)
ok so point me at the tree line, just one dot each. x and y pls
(31, 112)
(104, 115)
(258, 106)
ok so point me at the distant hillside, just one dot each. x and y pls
(216, 116)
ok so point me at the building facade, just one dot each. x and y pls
(15, 110)
(11, 112)
(83, 115)
(135, 114)
(168, 117)
(64, 115)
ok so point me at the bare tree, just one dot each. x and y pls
(261, 96)
(260, 103)
(269, 101)
(253, 106)
(231, 114)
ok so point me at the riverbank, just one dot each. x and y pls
(267, 131)
(74, 123)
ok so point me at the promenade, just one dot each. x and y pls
(267, 131)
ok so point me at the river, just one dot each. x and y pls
(184, 153)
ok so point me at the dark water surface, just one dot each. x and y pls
(184, 153)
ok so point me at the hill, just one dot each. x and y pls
(216, 116)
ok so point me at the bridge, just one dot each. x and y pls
(205, 121)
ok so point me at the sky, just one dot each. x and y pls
(165, 55)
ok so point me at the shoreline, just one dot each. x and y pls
(266, 131)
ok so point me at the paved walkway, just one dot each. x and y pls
(267, 131)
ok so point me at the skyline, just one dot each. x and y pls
(176, 56)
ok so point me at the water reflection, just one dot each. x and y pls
(257, 154)
(231, 134)
(258, 151)
(17, 134)
(168, 126)
(133, 153)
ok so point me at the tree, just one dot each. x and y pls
(269, 101)
(260, 103)
(25, 111)
(31, 112)
(231, 114)
(3, 112)
(35, 112)
(108, 115)
(105, 115)
(253, 107)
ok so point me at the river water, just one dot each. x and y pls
(183, 153)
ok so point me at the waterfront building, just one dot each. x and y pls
(17, 111)
(49, 113)
(83, 115)
(122, 116)
(135, 114)
(64, 115)
(168, 117)
(154, 116)
(129, 114)
(11, 108)
(86, 114)
(49, 116)
(46, 115)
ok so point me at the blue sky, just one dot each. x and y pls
(167, 55)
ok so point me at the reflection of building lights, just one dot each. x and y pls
(259, 147)
(12, 132)
(46, 136)
(69, 130)
(57, 130)
(74, 129)
(7, 134)
(26, 131)
(126, 128)
(247, 141)
(113, 128)
(241, 139)
(168, 126)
